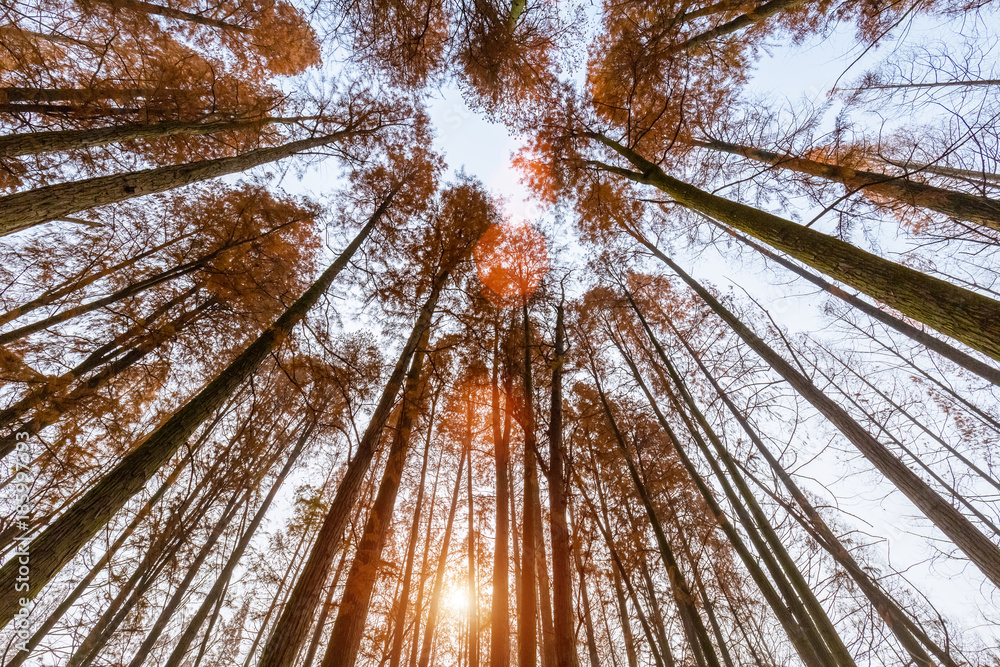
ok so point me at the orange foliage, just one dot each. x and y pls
(511, 262)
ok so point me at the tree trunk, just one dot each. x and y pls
(442, 566)
(979, 549)
(58, 543)
(81, 587)
(293, 626)
(472, 586)
(755, 15)
(952, 203)
(947, 351)
(222, 581)
(399, 623)
(142, 7)
(694, 628)
(348, 629)
(527, 638)
(564, 643)
(192, 571)
(36, 143)
(801, 600)
(957, 312)
(500, 610)
(23, 210)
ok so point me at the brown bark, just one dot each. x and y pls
(52, 141)
(293, 626)
(500, 610)
(442, 565)
(527, 639)
(946, 350)
(23, 210)
(564, 641)
(399, 622)
(142, 7)
(215, 594)
(473, 644)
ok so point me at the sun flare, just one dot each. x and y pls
(456, 600)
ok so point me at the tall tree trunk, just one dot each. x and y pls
(527, 638)
(500, 610)
(77, 283)
(56, 407)
(36, 143)
(51, 202)
(58, 543)
(662, 657)
(812, 615)
(143, 7)
(418, 609)
(81, 587)
(399, 622)
(564, 643)
(694, 628)
(964, 315)
(192, 571)
(588, 619)
(348, 629)
(978, 548)
(442, 566)
(472, 586)
(756, 15)
(222, 581)
(952, 203)
(293, 626)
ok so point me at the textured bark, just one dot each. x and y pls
(35, 143)
(23, 210)
(473, 589)
(142, 7)
(192, 571)
(964, 315)
(756, 15)
(348, 629)
(399, 621)
(564, 640)
(527, 612)
(798, 593)
(500, 610)
(58, 543)
(55, 407)
(694, 628)
(952, 203)
(588, 619)
(81, 587)
(978, 548)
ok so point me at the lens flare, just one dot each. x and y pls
(511, 261)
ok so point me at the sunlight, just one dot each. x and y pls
(456, 600)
